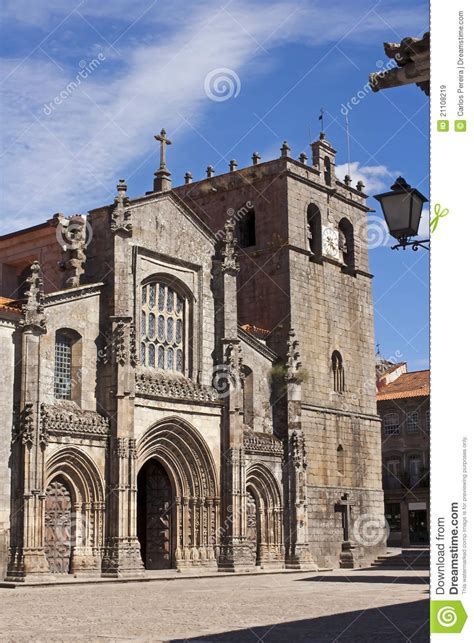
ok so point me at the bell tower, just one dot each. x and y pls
(324, 159)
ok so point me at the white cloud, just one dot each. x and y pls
(376, 178)
(424, 230)
(73, 157)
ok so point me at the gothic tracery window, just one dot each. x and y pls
(339, 384)
(162, 328)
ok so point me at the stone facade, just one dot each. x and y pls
(190, 378)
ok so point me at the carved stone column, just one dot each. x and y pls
(27, 545)
(122, 555)
(235, 550)
(297, 554)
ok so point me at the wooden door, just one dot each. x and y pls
(155, 516)
(58, 531)
(252, 524)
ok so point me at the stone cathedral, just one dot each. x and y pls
(188, 378)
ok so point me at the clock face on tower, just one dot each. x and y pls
(331, 243)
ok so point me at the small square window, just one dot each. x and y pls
(412, 422)
(391, 424)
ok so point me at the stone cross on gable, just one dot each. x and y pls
(162, 181)
(344, 507)
(161, 137)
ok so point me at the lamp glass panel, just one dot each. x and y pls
(396, 209)
(417, 208)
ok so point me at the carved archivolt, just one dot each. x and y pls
(189, 463)
(264, 489)
(86, 487)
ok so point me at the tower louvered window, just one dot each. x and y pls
(162, 328)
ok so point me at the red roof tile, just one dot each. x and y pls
(416, 384)
(260, 333)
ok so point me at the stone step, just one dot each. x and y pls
(404, 559)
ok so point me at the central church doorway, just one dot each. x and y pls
(154, 516)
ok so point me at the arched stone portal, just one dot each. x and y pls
(74, 513)
(264, 516)
(179, 454)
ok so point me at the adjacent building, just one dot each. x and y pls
(403, 403)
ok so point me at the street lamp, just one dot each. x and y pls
(402, 208)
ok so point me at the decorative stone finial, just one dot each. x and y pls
(293, 364)
(33, 309)
(230, 263)
(233, 165)
(188, 178)
(347, 180)
(162, 180)
(285, 149)
(256, 158)
(299, 454)
(233, 362)
(121, 215)
(360, 186)
(303, 158)
(209, 171)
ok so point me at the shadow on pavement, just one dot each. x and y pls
(356, 578)
(392, 623)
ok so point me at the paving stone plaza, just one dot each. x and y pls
(344, 605)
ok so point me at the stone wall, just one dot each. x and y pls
(77, 310)
(262, 282)
(19, 250)
(329, 307)
(261, 385)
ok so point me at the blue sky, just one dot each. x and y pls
(66, 139)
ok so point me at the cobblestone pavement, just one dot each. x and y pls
(357, 605)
